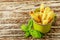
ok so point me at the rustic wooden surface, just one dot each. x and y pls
(24, 0)
(13, 14)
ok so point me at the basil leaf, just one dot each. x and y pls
(42, 34)
(27, 34)
(35, 34)
(24, 27)
(30, 24)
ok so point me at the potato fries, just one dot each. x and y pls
(35, 16)
(44, 16)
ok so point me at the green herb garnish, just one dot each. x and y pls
(28, 29)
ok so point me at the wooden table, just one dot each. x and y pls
(13, 14)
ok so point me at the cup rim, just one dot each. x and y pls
(42, 24)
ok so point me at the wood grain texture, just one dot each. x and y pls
(24, 0)
(13, 14)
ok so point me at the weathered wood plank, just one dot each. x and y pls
(13, 14)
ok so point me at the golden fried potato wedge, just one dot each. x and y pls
(44, 22)
(47, 10)
(42, 8)
(35, 17)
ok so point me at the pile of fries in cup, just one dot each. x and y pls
(43, 15)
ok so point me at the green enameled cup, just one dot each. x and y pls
(41, 28)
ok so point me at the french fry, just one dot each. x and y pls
(40, 16)
(35, 17)
(43, 16)
(42, 8)
(50, 20)
(47, 10)
(44, 22)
